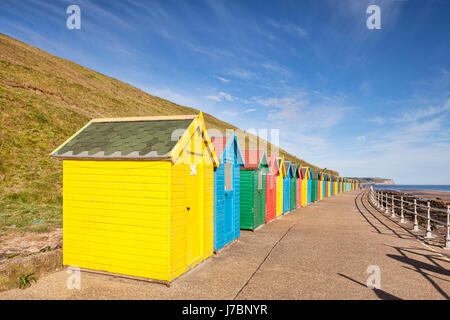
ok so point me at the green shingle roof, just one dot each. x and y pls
(125, 139)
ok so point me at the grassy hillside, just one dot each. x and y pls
(43, 101)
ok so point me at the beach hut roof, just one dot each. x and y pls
(221, 144)
(289, 168)
(303, 170)
(315, 174)
(281, 169)
(273, 164)
(255, 159)
(307, 174)
(282, 166)
(298, 171)
(135, 138)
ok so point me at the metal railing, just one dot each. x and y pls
(386, 202)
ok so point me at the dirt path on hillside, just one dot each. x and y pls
(16, 244)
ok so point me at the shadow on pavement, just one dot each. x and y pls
(383, 295)
(421, 266)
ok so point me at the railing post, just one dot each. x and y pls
(416, 223)
(378, 200)
(387, 209)
(402, 217)
(428, 235)
(374, 201)
(393, 208)
(447, 237)
(382, 204)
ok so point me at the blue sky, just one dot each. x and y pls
(363, 102)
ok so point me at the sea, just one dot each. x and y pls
(424, 187)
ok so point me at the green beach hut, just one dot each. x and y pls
(296, 175)
(253, 189)
(314, 185)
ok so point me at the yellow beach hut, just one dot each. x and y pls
(138, 196)
(305, 174)
(335, 185)
(329, 185)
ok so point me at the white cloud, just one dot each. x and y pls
(422, 113)
(214, 98)
(288, 27)
(242, 74)
(249, 110)
(361, 138)
(169, 94)
(378, 120)
(272, 67)
(222, 79)
(230, 113)
(281, 108)
(221, 96)
(226, 96)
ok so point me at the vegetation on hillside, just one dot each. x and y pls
(43, 101)
(373, 180)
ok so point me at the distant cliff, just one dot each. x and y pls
(374, 180)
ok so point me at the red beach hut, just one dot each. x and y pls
(271, 188)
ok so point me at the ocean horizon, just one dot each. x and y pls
(423, 187)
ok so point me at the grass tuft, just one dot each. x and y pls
(26, 280)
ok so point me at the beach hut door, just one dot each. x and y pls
(259, 198)
(193, 216)
(229, 201)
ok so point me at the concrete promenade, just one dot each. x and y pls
(321, 251)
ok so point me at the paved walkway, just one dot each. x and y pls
(318, 252)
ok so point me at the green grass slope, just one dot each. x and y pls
(43, 101)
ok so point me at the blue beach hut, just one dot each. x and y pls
(287, 186)
(332, 185)
(227, 190)
(309, 175)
